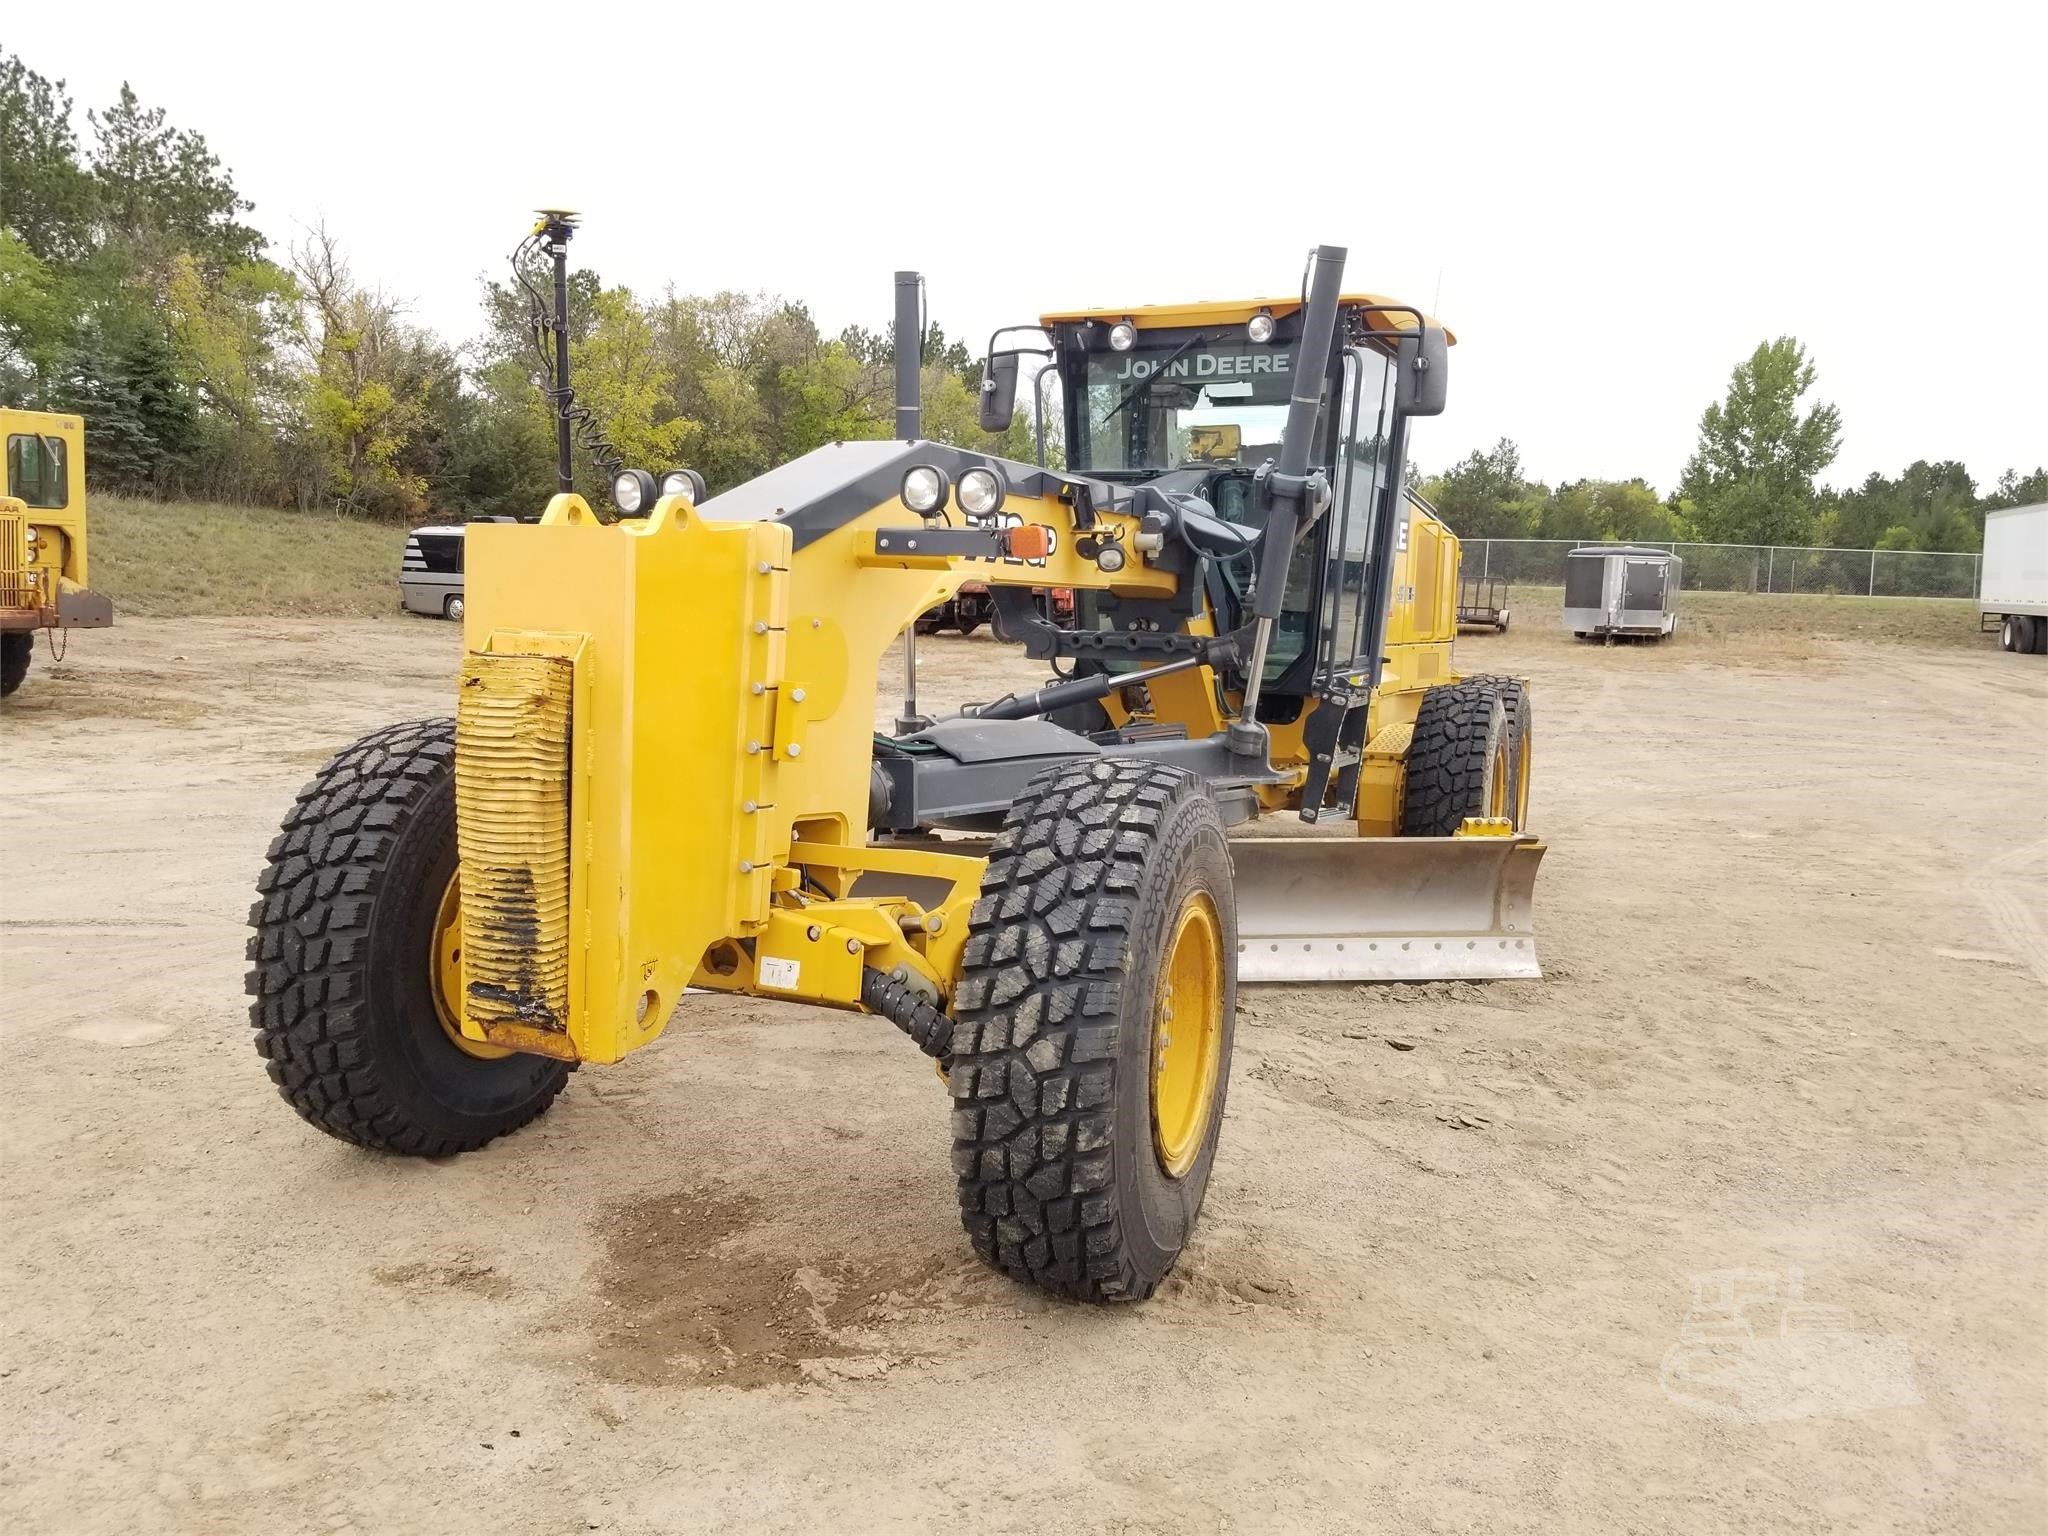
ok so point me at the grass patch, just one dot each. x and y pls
(1720, 617)
(172, 559)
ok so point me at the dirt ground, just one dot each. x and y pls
(1732, 1222)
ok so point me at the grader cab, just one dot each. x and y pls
(663, 773)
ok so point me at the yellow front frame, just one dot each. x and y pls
(718, 754)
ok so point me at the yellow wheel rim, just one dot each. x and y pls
(1523, 758)
(1497, 791)
(445, 966)
(1187, 1036)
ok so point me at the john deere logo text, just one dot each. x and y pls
(1207, 365)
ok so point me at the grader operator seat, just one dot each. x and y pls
(663, 775)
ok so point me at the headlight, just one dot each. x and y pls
(1122, 336)
(924, 489)
(633, 491)
(980, 492)
(1260, 327)
(683, 482)
(1110, 558)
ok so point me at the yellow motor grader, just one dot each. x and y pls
(42, 538)
(663, 773)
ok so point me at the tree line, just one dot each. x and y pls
(207, 364)
(1752, 479)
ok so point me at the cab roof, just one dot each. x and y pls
(1225, 312)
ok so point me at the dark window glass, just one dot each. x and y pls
(440, 553)
(1583, 579)
(37, 471)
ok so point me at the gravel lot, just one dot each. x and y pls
(1732, 1222)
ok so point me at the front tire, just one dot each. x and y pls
(1094, 1015)
(351, 921)
(452, 609)
(17, 648)
(1458, 762)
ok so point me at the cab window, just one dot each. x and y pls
(36, 470)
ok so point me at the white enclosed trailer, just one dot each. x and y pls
(2014, 584)
(1618, 590)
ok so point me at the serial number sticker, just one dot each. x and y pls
(777, 972)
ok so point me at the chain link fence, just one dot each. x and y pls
(1750, 567)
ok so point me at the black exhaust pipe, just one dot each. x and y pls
(909, 351)
(909, 365)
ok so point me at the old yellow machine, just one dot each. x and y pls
(42, 538)
(663, 773)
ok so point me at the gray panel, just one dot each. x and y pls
(985, 741)
(1644, 586)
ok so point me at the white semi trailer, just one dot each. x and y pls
(2014, 588)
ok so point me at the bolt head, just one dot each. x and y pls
(795, 750)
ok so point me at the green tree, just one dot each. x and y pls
(1485, 495)
(361, 408)
(1930, 505)
(46, 198)
(141, 426)
(620, 372)
(1751, 479)
(35, 322)
(161, 190)
(1594, 510)
(2016, 490)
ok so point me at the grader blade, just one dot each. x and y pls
(1386, 908)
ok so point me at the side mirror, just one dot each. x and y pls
(1423, 358)
(999, 392)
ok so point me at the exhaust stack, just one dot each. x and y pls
(909, 352)
(909, 368)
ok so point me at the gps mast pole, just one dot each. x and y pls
(559, 224)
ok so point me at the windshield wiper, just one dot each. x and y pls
(1138, 384)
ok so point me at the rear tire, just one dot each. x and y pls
(1458, 761)
(17, 648)
(344, 1001)
(1082, 1153)
(1519, 708)
(452, 609)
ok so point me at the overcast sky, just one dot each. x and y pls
(1610, 205)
